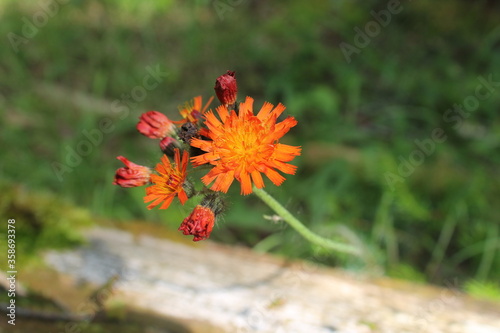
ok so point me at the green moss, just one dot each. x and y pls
(42, 220)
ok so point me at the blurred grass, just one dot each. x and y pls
(355, 119)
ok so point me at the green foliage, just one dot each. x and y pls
(406, 272)
(358, 120)
(489, 291)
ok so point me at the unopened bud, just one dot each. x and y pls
(168, 144)
(226, 88)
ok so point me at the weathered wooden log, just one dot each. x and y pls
(216, 288)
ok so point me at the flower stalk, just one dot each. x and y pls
(236, 143)
(302, 229)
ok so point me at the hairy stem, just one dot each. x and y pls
(302, 229)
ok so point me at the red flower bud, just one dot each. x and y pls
(226, 88)
(132, 175)
(199, 223)
(155, 125)
(168, 144)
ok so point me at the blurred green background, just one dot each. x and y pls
(428, 212)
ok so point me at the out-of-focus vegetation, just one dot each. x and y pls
(358, 120)
(42, 221)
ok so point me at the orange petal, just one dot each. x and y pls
(211, 120)
(197, 103)
(206, 105)
(246, 107)
(198, 143)
(223, 182)
(246, 184)
(164, 159)
(211, 175)
(285, 167)
(184, 162)
(167, 202)
(223, 113)
(204, 132)
(155, 179)
(177, 158)
(155, 203)
(257, 179)
(285, 153)
(182, 196)
(283, 127)
(278, 110)
(264, 111)
(203, 159)
(274, 176)
(150, 197)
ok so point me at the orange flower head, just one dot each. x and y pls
(192, 110)
(169, 182)
(132, 175)
(245, 145)
(199, 223)
(155, 125)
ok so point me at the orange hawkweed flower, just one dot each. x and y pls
(192, 110)
(169, 183)
(245, 145)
